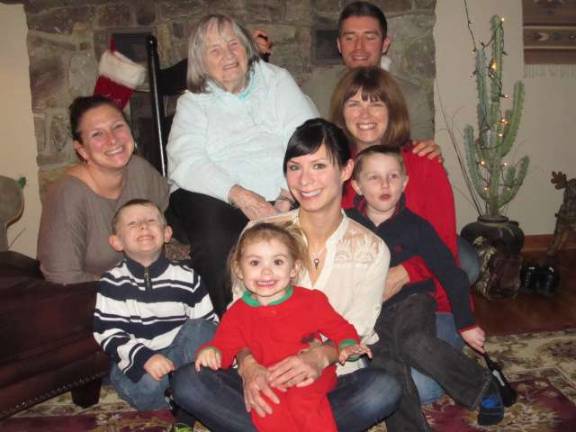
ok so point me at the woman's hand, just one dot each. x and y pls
(303, 369)
(282, 205)
(255, 385)
(397, 277)
(252, 205)
(428, 148)
(475, 337)
(262, 42)
(284, 202)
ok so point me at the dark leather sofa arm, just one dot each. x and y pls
(16, 264)
(46, 337)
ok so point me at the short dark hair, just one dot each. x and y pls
(363, 9)
(134, 202)
(309, 137)
(377, 149)
(81, 105)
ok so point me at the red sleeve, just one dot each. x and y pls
(417, 269)
(348, 195)
(429, 195)
(229, 338)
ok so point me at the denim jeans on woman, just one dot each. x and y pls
(360, 399)
(408, 339)
(147, 393)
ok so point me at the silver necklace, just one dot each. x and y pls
(316, 257)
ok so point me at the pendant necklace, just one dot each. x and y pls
(316, 257)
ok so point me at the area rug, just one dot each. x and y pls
(541, 366)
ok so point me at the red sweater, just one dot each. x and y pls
(429, 195)
(277, 331)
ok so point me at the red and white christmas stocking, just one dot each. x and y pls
(118, 76)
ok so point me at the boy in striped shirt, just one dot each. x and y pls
(151, 314)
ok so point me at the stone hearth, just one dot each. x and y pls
(67, 37)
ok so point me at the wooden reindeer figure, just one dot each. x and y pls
(11, 206)
(566, 216)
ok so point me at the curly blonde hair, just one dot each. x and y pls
(287, 233)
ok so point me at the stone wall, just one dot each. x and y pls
(67, 37)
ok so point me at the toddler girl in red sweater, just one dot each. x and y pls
(274, 320)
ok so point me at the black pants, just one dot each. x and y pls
(212, 227)
(408, 339)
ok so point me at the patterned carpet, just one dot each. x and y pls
(541, 366)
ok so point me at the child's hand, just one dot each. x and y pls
(208, 357)
(475, 337)
(397, 277)
(157, 366)
(353, 351)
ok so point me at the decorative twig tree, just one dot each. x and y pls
(488, 175)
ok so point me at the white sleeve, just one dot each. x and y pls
(292, 105)
(189, 166)
(369, 292)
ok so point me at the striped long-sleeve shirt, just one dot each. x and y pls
(139, 310)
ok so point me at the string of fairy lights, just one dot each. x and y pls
(492, 178)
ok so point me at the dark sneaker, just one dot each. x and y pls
(179, 427)
(491, 410)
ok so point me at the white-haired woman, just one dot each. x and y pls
(227, 143)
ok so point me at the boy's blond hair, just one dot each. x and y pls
(373, 150)
(131, 203)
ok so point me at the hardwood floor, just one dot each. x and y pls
(533, 312)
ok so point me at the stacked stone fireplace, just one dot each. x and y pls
(67, 37)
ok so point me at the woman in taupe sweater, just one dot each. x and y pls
(76, 218)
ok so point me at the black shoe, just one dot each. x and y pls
(547, 281)
(491, 410)
(507, 392)
(182, 417)
(185, 418)
(539, 279)
(527, 277)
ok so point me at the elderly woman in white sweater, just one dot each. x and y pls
(227, 142)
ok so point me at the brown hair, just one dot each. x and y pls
(377, 149)
(363, 9)
(81, 105)
(131, 203)
(376, 84)
(286, 233)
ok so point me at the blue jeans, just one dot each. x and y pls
(428, 389)
(469, 259)
(147, 393)
(359, 400)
